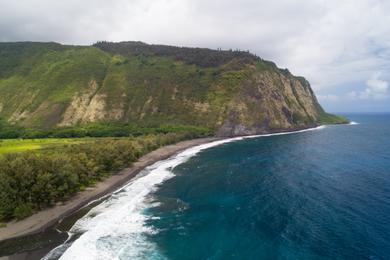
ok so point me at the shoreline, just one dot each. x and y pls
(48, 217)
(155, 176)
(42, 220)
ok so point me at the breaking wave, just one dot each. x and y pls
(116, 229)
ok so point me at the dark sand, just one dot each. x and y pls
(46, 218)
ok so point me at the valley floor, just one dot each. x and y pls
(21, 145)
(48, 217)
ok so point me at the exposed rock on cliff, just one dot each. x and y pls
(231, 92)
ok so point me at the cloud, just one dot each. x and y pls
(376, 89)
(328, 98)
(377, 86)
(332, 43)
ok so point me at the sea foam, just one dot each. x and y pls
(116, 228)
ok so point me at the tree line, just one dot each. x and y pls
(13, 131)
(202, 57)
(31, 181)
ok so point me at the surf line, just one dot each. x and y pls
(120, 217)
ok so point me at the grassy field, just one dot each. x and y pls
(21, 145)
(31, 179)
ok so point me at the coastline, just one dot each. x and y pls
(116, 219)
(42, 220)
(48, 217)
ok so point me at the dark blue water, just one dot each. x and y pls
(316, 195)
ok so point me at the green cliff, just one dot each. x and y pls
(46, 85)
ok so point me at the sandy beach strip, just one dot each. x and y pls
(48, 217)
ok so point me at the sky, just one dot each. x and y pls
(341, 46)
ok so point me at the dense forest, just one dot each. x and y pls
(34, 180)
(202, 57)
(11, 131)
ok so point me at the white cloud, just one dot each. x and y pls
(353, 95)
(378, 86)
(375, 89)
(328, 98)
(329, 42)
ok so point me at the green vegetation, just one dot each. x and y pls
(151, 84)
(37, 173)
(8, 131)
(32, 181)
(21, 145)
(327, 119)
(76, 114)
(132, 88)
(198, 56)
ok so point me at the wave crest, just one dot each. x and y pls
(116, 229)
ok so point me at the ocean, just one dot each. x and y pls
(317, 194)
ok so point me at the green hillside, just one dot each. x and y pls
(49, 85)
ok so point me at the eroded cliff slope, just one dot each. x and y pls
(47, 85)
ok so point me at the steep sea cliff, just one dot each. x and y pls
(46, 85)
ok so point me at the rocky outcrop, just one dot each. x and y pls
(270, 101)
(85, 108)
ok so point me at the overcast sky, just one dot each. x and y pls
(341, 46)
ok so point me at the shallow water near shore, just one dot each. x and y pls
(312, 195)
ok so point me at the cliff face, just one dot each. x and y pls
(235, 93)
(273, 101)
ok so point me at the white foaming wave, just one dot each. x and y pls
(354, 123)
(116, 228)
